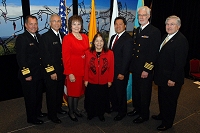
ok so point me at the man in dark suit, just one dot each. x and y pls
(169, 71)
(146, 46)
(30, 69)
(52, 61)
(121, 45)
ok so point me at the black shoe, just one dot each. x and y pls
(73, 118)
(56, 120)
(119, 117)
(133, 113)
(101, 118)
(36, 122)
(156, 117)
(78, 114)
(140, 120)
(61, 111)
(163, 127)
(42, 115)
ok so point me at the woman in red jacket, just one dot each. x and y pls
(99, 72)
(73, 52)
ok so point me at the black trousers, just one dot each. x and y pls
(32, 91)
(54, 96)
(118, 95)
(167, 98)
(96, 99)
(141, 93)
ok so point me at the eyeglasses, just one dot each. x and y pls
(54, 21)
(172, 24)
(142, 15)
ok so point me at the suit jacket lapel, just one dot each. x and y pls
(172, 39)
(111, 40)
(31, 38)
(119, 40)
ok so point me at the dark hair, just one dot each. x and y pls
(75, 18)
(122, 18)
(105, 48)
(30, 16)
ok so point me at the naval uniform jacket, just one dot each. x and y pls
(52, 53)
(146, 48)
(28, 56)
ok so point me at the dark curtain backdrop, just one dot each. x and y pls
(187, 10)
(189, 13)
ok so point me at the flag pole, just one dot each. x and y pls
(66, 13)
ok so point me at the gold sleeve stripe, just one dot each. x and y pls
(148, 66)
(49, 69)
(25, 71)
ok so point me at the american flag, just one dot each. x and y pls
(62, 13)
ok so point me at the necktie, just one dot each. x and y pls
(164, 42)
(36, 38)
(140, 29)
(115, 41)
(58, 35)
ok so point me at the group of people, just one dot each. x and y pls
(161, 61)
(101, 71)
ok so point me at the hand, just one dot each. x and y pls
(144, 74)
(120, 77)
(86, 83)
(28, 78)
(170, 83)
(54, 76)
(72, 78)
(109, 84)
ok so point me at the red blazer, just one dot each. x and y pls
(73, 54)
(99, 70)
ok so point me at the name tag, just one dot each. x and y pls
(145, 36)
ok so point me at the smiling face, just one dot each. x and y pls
(55, 22)
(76, 26)
(119, 26)
(99, 44)
(143, 17)
(31, 25)
(172, 26)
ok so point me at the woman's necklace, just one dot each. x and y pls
(78, 36)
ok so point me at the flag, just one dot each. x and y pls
(62, 14)
(114, 15)
(136, 24)
(92, 24)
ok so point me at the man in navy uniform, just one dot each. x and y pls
(145, 51)
(30, 69)
(53, 65)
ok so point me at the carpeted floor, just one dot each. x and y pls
(13, 118)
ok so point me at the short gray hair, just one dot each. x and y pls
(178, 20)
(145, 8)
(53, 16)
